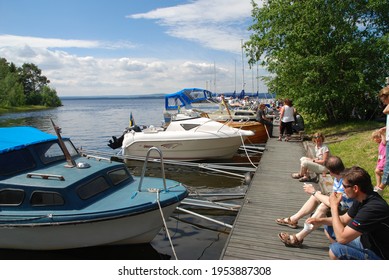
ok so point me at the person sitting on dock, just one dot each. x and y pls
(317, 202)
(362, 232)
(261, 117)
(316, 164)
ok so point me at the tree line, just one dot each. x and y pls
(25, 85)
(331, 57)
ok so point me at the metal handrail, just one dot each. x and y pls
(145, 166)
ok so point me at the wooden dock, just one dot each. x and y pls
(273, 194)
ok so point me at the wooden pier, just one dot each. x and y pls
(273, 194)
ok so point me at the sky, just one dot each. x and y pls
(132, 47)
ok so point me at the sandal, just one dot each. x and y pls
(305, 179)
(290, 240)
(296, 176)
(286, 222)
(279, 139)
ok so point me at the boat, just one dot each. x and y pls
(185, 138)
(201, 101)
(54, 197)
(261, 135)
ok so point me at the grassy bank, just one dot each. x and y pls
(352, 142)
(4, 110)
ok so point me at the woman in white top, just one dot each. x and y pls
(287, 118)
(315, 165)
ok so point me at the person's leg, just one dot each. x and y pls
(308, 207)
(351, 251)
(321, 211)
(378, 176)
(282, 129)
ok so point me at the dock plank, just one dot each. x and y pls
(273, 194)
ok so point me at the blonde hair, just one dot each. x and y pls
(384, 91)
(376, 134)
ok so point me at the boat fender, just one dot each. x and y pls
(247, 177)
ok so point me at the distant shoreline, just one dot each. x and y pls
(150, 96)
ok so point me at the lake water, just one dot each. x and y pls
(90, 123)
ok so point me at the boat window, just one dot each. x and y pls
(40, 198)
(11, 197)
(189, 126)
(16, 161)
(93, 188)
(51, 151)
(118, 176)
(72, 150)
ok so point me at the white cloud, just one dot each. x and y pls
(214, 24)
(38, 42)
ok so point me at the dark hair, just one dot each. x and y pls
(288, 102)
(358, 176)
(334, 164)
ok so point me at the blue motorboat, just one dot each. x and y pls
(54, 197)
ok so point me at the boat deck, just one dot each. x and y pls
(273, 194)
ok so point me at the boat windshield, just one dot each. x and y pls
(50, 152)
(15, 162)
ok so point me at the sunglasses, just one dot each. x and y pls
(347, 186)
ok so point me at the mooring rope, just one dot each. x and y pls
(164, 224)
(245, 150)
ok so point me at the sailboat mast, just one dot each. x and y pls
(241, 46)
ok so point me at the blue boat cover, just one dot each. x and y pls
(15, 138)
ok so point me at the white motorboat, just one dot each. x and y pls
(185, 138)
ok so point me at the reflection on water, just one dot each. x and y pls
(90, 123)
(129, 252)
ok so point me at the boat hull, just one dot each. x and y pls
(188, 149)
(187, 139)
(79, 234)
(260, 134)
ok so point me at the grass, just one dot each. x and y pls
(352, 142)
(4, 110)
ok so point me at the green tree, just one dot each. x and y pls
(49, 97)
(330, 56)
(25, 86)
(11, 90)
(33, 82)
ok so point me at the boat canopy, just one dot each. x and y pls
(15, 138)
(185, 97)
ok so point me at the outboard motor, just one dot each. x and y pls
(117, 142)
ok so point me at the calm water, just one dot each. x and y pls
(90, 123)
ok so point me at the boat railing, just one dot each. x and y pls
(145, 167)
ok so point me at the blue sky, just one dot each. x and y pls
(124, 47)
